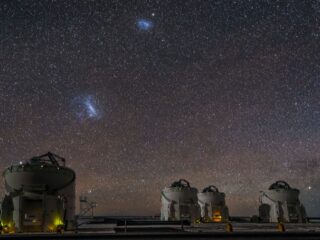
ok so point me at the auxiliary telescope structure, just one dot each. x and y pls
(213, 205)
(86, 207)
(40, 196)
(280, 203)
(179, 202)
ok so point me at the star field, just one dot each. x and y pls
(137, 94)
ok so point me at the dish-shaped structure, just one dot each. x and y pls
(280, 203)
(213, 205)
(40, 195)
(180, 202)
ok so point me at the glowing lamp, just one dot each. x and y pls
(216, 216)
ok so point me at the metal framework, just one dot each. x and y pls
(86, 207)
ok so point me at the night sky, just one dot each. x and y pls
(137, 94)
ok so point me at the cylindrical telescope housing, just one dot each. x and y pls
(280, 203)
(179, 202)
(213, 205)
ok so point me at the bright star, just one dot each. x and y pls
(144, 24)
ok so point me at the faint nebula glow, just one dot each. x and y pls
(91, 111)
(86, 107)
(144, 24)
